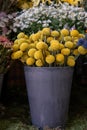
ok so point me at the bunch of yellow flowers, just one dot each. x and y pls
(48, 48)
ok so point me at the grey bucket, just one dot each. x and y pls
(1, 82)
(48, 91)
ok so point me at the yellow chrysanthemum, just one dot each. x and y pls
(31, 52)
(50, 59)
(24, 46)
(41, 45)
(71, 62)
(46, 31)
(64, 32)
(54, 45)
(15, 47)
(69, 44)
(59, 57)
(74, 33)
(67, 38)
(38, 55)
(82, 50)
(30, 61)
(55, 33)
(49, 39)
(65, 51)
(75, 52)
(39, 63)
(21, 35)
(17, 55)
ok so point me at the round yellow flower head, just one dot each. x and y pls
(82, 50)
(49, 39)
(23, 58)
(32, 45)
(21, 35)
(38, 55)
(30, 61)
(41, 45)
(31, 52)
(47, 53)
(69, 44)
(81, 36)
(39, 63)
(50, 59)
(16, 41)
(55, 34)
(36, 37)
(17, 55)
(21, 40)
(64, 32)
(71, 62)
(24, 5)
(65, 51)
(24, 46)
(75, 52)
(74, 33)
(59, 57)
(54, 45)
(15, 47)
(67, 38)
(46, 31)
(61, 46)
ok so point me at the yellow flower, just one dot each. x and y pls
(30, 61)
(71, 62)
(16, 41)
(65, 51)
(24, 58)
(49, 39)
(74, 33)
(24, 5)
(21, 35)
(75, 52)
(39, 63)
(54, 45)
(61, 46)
(41, 45)
(82, 50)
(69, 44)
(67, 38)
(59, 57)
(50, 59)
(17, 55)
(47, 53)
(31, 52)
(36, 37)
(64, 32)
(46, 31)
(38, 55)
(54, 33)
(21, 40)
(81, 36)
(32, 45)
(15, 47)
(24, 46)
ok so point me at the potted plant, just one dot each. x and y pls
(48, 45)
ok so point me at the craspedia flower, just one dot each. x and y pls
(59, 57)
(47, 53)
(61, 46)
(74, 33)
(69, 44)
(24, 58)
(16, 41)
(24, 46)
(49, 39)
(17, 55)
(21, 40)
(39, 63)
(54, 45)
(15, 47)
(67, 38)
(41, 45)
(65, 51)
(35, 37)
(82, 50)
(64, 32)
(46, 31)
(75, 52)
(38, 55)
(32, 45)
(31, 52)
(50, 59)
(71, 62)
(55, 33)
(21, 35)
(30, 61)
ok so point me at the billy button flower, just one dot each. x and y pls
(49, 39)
(67, 38)
(31, 52)
(15, 47)
(21, 35)
(50, 59)
(36, 37)
(30, 61)
(38, 54)
(17, 55)
(82, 50)
(69, 44)
(65, 51)
(71, 61)
(61, 46)
(39, 63)
(54, 45)
(41, 45)
(64, 32)
(75, 52)
(74, 33)
(24, 57)
(24, 46)
(46, 31)
(55, 34)
(59, 58)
